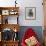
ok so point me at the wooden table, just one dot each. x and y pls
(9, 43)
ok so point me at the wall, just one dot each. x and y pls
(39, 13)
(27, 3)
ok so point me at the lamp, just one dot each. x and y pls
(15, 3)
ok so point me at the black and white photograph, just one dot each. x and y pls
(30, 13)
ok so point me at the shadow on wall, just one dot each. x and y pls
(37, 29)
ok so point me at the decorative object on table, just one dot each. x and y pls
(13, 12)
(15, 3)
(30, 13)
(30, 38)
(15, 36)
(6, 21)
(7, 34)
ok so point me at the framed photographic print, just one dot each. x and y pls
(30, 13)
(5, 12)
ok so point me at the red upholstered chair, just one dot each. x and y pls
(28, 34)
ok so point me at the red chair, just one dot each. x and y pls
(29, 33)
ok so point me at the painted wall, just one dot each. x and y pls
(26, 3)
(39, 13)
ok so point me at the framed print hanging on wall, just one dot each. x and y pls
(30, 13)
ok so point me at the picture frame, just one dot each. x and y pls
(5, 12)
(30, 13)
